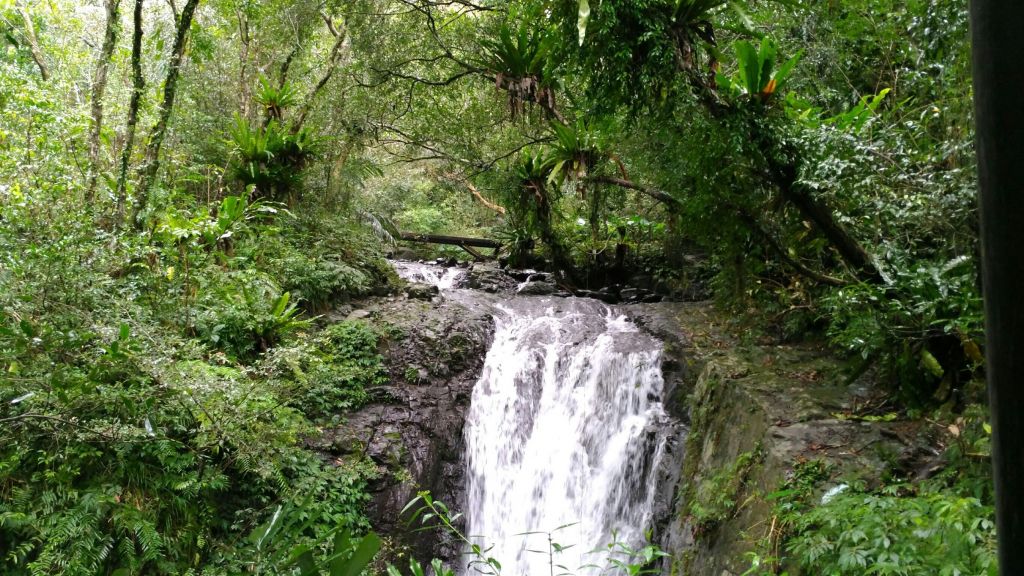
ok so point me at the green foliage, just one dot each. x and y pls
(520, 59)
(333, 374)
(270, 157)
(247, 316)
(573, 152)
(274, 99)
(518, 53)
(334, 553)
(757, 76)
(944, 525)
(416, 569)
(715, 498)
(895, 533)
(316, 281)
(930, 327)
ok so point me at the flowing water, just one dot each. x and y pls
(564, 434)
(440, 276)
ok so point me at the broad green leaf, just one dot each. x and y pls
(584, 17)
(749, 68)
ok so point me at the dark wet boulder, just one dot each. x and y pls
(419, 291)
(538, 289)
(488, 278)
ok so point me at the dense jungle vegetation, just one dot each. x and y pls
(186, 185)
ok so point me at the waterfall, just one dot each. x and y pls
(564, 431)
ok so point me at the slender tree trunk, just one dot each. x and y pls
(332, 63)
(99, 87)
(766, 236)
(151, 166)
(244, 90)
(138, 85)
(560, 256)
(821, 216)
(660, 195)
(33, 41)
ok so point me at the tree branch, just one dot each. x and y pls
(33, 41)
(659, 195)
(783, 254)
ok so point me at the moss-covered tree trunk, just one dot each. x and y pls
(151, 165)
(99, 87)
(138, 85)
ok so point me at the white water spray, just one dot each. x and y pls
(566, 427)
(444, 278)
(564, 434)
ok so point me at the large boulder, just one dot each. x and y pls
(538, 289)
(488, 278)
(420, 291)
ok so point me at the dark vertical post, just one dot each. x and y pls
(997, 31)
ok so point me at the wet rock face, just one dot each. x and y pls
(756, 411)
(489, 278)
(420, 291)
(412, 429)
(539, 288)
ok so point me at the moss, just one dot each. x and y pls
(717, 498)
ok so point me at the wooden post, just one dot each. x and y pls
(998, 52)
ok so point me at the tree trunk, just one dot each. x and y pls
(138, 85)
(784, 174)
(244, 90)
(450, 240)
(660, 195)
(99, 87)
(810, 208)
(560, 256)
(151, 166)
(820, 215)
(998, 80)
(332, 63)
(33, 41)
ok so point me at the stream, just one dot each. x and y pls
(565, 430)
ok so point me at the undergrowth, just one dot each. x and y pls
(943, 525)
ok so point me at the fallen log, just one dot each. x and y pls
(452, 240)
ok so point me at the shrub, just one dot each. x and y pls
(247, 316)
(332, 374)
(897, 533)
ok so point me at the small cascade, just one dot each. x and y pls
(445, 278)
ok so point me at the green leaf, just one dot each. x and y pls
(785, 70)
(415, 568)
(280, 304)
(766, 62)
(368, 547)
(931, 364)
(584, 17)
(749, 68)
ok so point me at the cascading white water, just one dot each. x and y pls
(565, 430)
(565, 427)
(442, 277)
